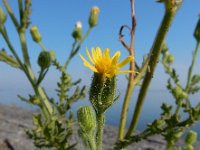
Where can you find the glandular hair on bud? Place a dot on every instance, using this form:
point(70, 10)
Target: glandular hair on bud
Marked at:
point(35, 34)
point(2, 16)
point(86, 119)
point(197, 31)
point(102, 92)
point(77, 33)
point(93, 19)
point(44, 60)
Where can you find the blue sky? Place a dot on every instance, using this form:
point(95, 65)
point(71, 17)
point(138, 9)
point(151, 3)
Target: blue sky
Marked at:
point(56, 19)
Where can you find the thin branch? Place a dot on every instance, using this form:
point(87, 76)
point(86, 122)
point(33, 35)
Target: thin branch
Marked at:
point(130, 85)
point(121, 36)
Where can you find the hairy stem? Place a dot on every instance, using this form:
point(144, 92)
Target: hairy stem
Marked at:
point(100, 127)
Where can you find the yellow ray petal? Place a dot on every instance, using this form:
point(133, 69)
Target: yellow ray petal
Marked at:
point(88, 54)
point(87, 64)
point(94, 55)
point(106, 53)
point(115, 58)
point(99, 52)
point(125, 61)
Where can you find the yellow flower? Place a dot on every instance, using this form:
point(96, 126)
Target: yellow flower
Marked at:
point(103, 64)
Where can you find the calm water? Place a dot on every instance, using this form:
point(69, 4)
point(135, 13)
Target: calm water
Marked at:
point(151, 109)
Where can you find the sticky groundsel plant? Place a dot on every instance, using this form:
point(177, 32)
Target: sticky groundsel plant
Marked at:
point(54, 122)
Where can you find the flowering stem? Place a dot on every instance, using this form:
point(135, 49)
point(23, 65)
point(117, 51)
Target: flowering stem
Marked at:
point(192, 66)
point(28, 72)
point(74, 49)
point(100, 126)
point(155, 52)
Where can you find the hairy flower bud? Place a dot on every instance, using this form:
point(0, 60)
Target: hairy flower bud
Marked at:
point(102, 92)
point(86, 119)
point(2, 16)
point(93, 19)
point(191, 138)
point(35, 34)
point(197, 31)
point(44, 60)
point(77, 33)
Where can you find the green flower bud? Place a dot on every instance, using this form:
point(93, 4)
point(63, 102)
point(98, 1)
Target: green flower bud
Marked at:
point(86, 119)
point(170, 59)
point(195, 79)
point(102, 92)
point(52, 55)
point(44, 60)
point(35, 34)
point(191, 138)
point(34, 100)
point(197, 31)
point(77, 33)
point(178, 93)
point(93, 19)
point(2, 16)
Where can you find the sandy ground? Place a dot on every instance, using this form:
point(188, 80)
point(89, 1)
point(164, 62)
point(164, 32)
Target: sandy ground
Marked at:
point(13, 122)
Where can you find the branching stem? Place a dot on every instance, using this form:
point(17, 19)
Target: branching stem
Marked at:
point(155, 52)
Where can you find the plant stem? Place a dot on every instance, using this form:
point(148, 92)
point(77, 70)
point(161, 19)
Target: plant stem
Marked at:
point(75, 50)
point(169, 146)
point(28, 72)
point(130, 85)
point(24, 48)
point(192, 66)
point(155, 52)
point(12, 16)
point(100, 127)
point(92, 143)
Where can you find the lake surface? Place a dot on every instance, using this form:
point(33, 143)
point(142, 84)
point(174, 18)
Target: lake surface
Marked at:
point(151, 109)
